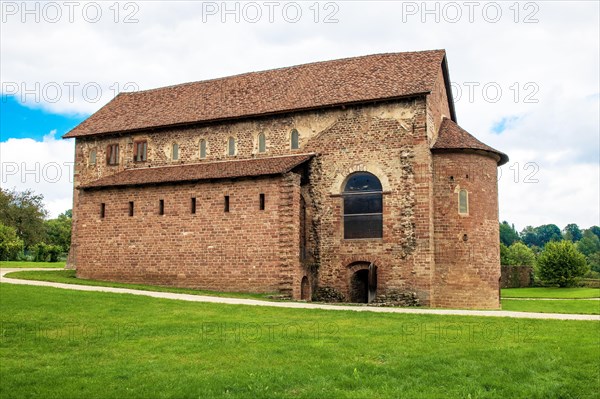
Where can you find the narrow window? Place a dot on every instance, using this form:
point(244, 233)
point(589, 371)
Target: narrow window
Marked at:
point(175, 152)
point(227, 203)
point(363, 207)
point(130, 208)
point(261, 202)
point(112, 154)
point(140, 150)
point(463, 202)
point(295, 139)
point(202, 149)
point(161, 207)
point(193, 205)
point(102, 210)
point(231, 146)
point(92, 159)
point(262, 143)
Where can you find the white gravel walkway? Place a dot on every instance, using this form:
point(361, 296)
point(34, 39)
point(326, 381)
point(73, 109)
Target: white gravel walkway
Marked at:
point(292, 305)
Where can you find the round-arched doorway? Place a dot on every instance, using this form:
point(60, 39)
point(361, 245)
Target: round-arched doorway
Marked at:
point(305, 289)
point(363, 284)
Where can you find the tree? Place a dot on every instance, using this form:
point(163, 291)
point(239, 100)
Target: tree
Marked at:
point(520, 254)
point(539, 236)
point(589, 243)
point(560, 263)
point(595, 230)
point(58, 231)
point(572, 232)
point(11, 246)
point(508, 234)
point(24, 211)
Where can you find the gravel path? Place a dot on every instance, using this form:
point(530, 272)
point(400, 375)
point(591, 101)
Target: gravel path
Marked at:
point(293, 305)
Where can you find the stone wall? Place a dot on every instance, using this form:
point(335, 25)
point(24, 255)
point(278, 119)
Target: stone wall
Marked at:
point(516, 276)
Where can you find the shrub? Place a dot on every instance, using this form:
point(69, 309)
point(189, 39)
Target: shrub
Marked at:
point(46, 253)
point(560, 263)
point(11, 246)
point(519, 254)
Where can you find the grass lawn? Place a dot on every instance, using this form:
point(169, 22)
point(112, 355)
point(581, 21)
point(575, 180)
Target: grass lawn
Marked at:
point(68, 277)
point(543, 292)
point(31, 264)
point(575, 306)
point(64, 344)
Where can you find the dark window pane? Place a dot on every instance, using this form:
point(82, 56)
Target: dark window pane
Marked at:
point(362, 182)
point(363, 226)
point(363, 203)
point(295, 139)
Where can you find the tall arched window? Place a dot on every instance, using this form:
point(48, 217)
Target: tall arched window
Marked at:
point(294, 139)
point(363, 206)
point(463, 202)
point(175, 152)
point(262, 143)
point(202, 149)
point(231, 146)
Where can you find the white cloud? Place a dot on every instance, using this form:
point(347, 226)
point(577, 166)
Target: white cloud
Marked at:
point(45, 166)
point(555, 61)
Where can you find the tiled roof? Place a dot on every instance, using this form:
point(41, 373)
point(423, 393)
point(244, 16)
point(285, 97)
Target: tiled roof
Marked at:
point(302, 87)
point(453, 137)
point(201, 171)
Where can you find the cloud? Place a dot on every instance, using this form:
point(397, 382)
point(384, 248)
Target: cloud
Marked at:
point(532, 74)
point(44, 166)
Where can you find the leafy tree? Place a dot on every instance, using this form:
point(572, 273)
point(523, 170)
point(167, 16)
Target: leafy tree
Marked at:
point(589, 243)
point(24, 211)
point(58, 231)
point(572, 232)
point(46, 253)
point(560, 263)
point(503, 255)
point(539, 236)
point(595, 230)
point(508, 234)
point(11, 246)
point(520, 254)
point(594, 261)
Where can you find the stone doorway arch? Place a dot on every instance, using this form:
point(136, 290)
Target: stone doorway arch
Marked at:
point(363, 283)
point(305, 293)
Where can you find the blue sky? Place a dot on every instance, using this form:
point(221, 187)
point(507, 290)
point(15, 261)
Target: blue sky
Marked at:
point(18, 121)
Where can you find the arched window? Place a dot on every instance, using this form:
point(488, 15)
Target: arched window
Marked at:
point(363, 206)
point(295, 139)
point(175, 152)
point(231, 146)
point(202, 149)
point(463, 202)
point(262, 143)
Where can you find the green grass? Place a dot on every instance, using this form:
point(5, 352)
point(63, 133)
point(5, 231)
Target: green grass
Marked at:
point(68, 277)
point(31, 264)
point(568, 293)
point(66, 344)
point(575, 306)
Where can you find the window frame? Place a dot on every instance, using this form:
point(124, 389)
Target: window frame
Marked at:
point(112, 154)
point(294, 139)
point(262, 143)
point(203, 148)
point(136, 149)
point(466, 202)
point(175, 152)
point(93, 152)
point(231, 147)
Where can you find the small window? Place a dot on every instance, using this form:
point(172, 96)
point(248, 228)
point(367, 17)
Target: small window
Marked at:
point(175, 152)
point(202, 149)
point(102, 210)
point(161, 207)
point(295, 139)
point(130, 208)
point(262, 143)
point(463, 202)
point(140, 150)
point(261, 202)
point(226, 203)
point(112, 154)
point(92, 158)
point(231, 146)
point(193, 206)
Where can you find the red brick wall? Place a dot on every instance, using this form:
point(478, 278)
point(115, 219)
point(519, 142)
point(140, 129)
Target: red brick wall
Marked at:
point(467, 272)
point(242, 250)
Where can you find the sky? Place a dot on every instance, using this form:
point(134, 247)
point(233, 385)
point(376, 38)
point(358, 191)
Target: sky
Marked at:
point(525, 77)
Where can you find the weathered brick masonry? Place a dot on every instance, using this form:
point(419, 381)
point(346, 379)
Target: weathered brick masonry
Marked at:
point(390, 117)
